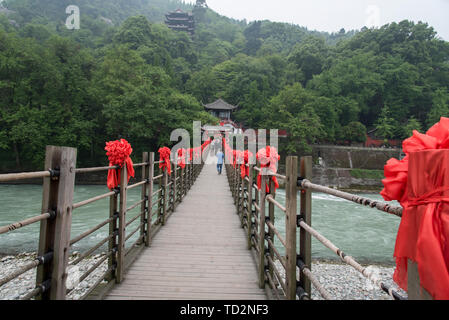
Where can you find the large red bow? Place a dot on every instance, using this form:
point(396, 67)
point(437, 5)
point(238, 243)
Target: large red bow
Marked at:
point(268, 158)
point(422, 188)
point(164, 157)
point(118, 153)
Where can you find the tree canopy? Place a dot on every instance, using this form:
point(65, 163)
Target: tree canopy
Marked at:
point(125, 74)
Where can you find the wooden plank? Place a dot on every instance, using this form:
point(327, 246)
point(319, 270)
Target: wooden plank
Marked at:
point(201, 252)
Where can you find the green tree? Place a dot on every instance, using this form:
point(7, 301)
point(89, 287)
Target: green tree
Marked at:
point(412, 124)
point(354, 132)
point(440, 107)
point(385, 124)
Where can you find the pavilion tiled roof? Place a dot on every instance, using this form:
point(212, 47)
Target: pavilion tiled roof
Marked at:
point(220, 105)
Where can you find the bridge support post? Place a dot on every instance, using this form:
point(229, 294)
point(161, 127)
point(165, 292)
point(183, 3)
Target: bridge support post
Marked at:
point(55, 233)
point(241, 197)
point(290, 226)
point(122, 225)
point(261, 243)
point(112, 245)
point(181, 193)
point(144, 197)
point(414, 289)
point(249, 221)
point(164, 197)
point(305, 239)
point(175, 185)
point(270, 252)
point(150, 199)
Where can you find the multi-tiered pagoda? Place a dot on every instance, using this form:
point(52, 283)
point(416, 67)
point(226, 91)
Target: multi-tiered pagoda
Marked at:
point(180, 21)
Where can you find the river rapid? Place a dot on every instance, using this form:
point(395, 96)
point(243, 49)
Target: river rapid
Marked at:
point(366, 234)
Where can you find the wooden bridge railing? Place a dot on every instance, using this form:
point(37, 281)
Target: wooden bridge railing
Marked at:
point(256, 210)
point(160, 195)
point(259, 224)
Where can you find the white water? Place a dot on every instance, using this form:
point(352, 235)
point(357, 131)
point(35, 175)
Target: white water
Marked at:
point(364, 233)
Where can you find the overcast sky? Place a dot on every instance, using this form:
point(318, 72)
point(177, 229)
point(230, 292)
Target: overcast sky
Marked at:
point(332, 15)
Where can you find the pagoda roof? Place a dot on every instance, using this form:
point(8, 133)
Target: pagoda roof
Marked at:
point(220, 105)
point(180, 12)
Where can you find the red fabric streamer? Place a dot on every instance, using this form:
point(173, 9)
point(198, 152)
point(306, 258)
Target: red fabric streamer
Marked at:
point(244, 170)
point(422, 188)
point(118, 153)
point(182, 158)
point(234, 158)
point(205, 144)
point(164, 156)
point(268, 158)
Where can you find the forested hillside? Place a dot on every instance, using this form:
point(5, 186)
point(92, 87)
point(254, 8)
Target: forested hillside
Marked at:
point(124, 74)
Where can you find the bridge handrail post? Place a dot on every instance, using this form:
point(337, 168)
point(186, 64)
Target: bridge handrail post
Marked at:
point(271, 231)
point(262, 222)
point(305, 239)
point(165, 197)
point(190, 175)
point(122, 225)
point(236, 186)
point(175, 185)
point(57, 197)
point(150, 199)
point(290, 226)
point(181, 195)
point(160, 203)
point(250, 206)
point(171, 194)
point(144, 196)
point(187, 177)
point(112, 244)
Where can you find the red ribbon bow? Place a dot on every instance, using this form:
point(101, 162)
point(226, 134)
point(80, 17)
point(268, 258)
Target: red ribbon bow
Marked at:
point(182, 158)
point(421, 186)
point(118, 153)
point(268, 158)
point(244, 170)
point(164, 157)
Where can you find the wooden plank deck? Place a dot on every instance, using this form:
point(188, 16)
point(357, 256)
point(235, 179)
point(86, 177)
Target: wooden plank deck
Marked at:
point(199, 254)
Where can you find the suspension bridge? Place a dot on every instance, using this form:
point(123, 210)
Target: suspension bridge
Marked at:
point(200, 235)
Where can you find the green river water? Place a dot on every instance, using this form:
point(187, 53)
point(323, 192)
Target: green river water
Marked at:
point(366, 234)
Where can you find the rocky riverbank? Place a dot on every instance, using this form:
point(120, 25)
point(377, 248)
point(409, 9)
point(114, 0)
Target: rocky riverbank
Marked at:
point(341, 281)
point(17, 288)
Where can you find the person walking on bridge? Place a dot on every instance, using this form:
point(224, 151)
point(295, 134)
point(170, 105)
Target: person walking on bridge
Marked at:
point(220, 158)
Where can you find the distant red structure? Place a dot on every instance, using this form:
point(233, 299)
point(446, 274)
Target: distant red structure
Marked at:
point(375, 143)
